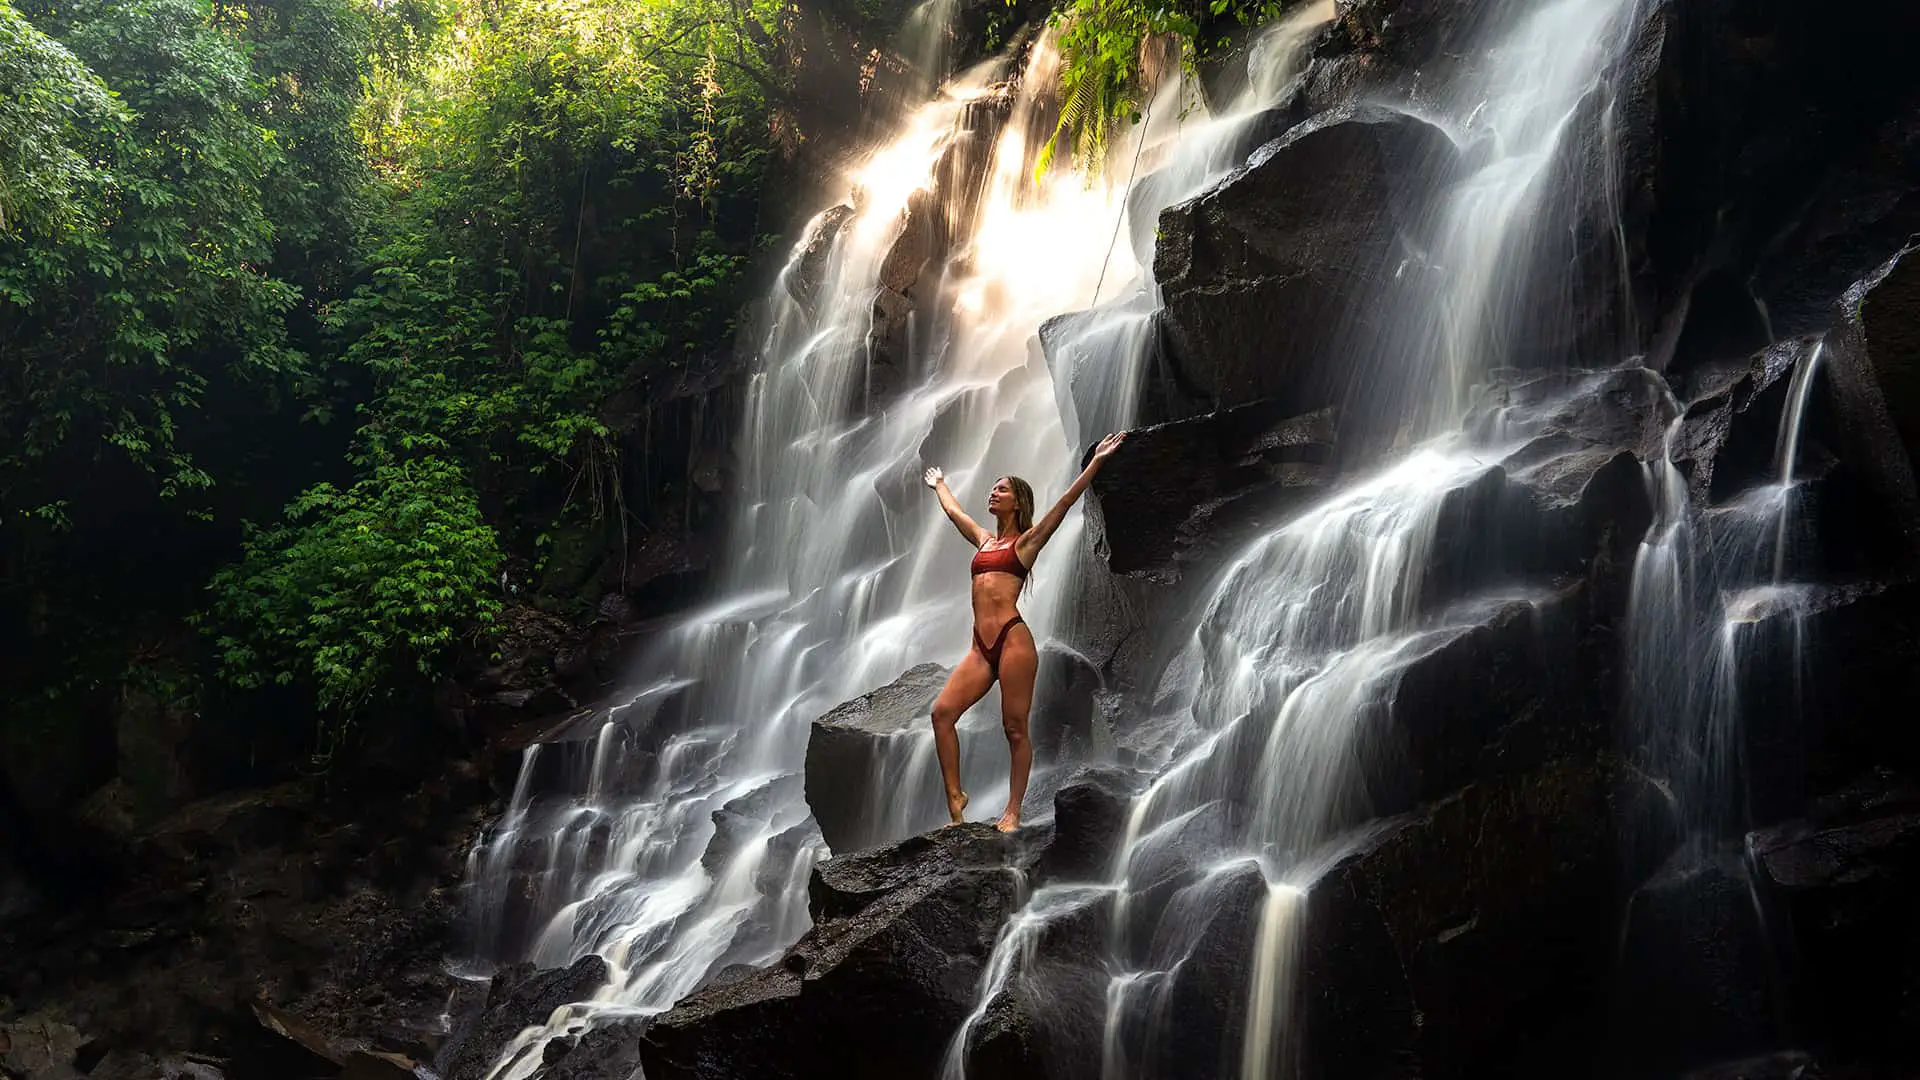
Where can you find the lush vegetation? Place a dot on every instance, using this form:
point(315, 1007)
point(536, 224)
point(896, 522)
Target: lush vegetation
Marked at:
point(321, 322)
point(330, 330)
point(1106, 56)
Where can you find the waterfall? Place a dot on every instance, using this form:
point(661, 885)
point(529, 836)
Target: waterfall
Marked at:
point(1267, 719)
point(670, 833)
point(1703, 578)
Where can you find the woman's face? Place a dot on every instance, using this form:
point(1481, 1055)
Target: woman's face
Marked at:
point(1000, 500)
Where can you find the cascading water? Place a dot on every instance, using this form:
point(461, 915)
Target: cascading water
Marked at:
point(1267, 721)
point(1703, 576)
point(1712, 604)
point(670, 834)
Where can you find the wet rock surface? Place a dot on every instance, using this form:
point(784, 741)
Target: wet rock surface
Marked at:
point(900, 939)
point(518, 997)
point(1698, 980)
point(1189, 491)
point(1263, 275)
point(1844, 880)
point(848, 745)
point(1874, 355)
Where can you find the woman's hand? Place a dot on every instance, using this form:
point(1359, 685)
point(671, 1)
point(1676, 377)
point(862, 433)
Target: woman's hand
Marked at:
point(1108, 445)
point(935, 478)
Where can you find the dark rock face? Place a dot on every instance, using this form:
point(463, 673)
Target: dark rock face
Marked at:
point(1696, 980)
point(848, 742)
point(900, 939)
point(1875, 358)
point(519, 997)
point(1844, 880)
point(1785, 1065)
point(1409, 31)
point(1727, 442)
point(286, 932)
point(1183, 492)
point(1089, 817)
point(1765, 151)
point(1490, 879)
point(803, 283)
point(1263, 274)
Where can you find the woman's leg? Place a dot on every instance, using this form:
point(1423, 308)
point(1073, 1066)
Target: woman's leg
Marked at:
point(1019, 662)
point(969, 683)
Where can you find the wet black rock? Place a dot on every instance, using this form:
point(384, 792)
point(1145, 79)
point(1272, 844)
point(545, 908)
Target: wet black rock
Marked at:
point(1827, 681)
point(1265, 273)
point(900, 939)
point(1767, 151)
point(1727, 443)
point(1474, 694)
point(848, 744)
point(1089, 820)
point(1065, 712)
point(1570, 500)
point(803, 282)
point(518, 998)
point(1409, 31)
point(608, 1052)
point(1211, 989)
point(1189, 491)
point(1874, 351)
point(1512, 875)
point(1697, 980)
point(1047, 1021)
point(1844, 881)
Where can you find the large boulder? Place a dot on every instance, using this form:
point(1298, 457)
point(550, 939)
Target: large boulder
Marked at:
point(1185, 492)
point(1569, 499)
point(877, 988)
point(804, 278)
point(1263, 275)
point(849, 745)
point(1047, 1019)
point(1089, 818)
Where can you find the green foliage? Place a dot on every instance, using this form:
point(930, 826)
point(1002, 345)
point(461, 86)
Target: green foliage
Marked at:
point(361, 586)
point(569, 216)
point(150, 284)
point(351, 270)
point(575, 219)
point(1103, 46)
point(55, 111)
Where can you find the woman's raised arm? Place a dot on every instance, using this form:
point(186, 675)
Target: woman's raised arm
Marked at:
point(1036, 538)
point(968, 527)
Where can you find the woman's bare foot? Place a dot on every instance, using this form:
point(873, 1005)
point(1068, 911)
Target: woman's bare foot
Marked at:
point(956, 807)
point(1009, 821)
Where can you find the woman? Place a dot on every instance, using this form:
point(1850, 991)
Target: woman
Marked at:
point(1003, 647)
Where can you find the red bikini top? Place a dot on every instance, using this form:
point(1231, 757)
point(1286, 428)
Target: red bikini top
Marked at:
point(1000, 560)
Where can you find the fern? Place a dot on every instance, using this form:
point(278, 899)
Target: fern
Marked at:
point(1102, 84)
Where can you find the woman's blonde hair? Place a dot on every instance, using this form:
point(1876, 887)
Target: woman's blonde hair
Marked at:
point(1022, 502)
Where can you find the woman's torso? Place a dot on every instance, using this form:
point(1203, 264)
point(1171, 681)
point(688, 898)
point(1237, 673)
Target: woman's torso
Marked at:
point(996, 593)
